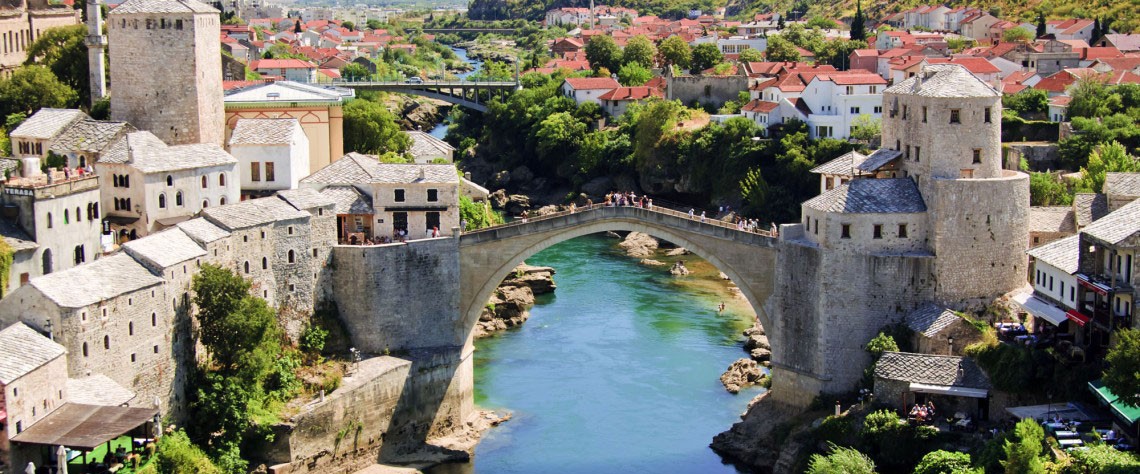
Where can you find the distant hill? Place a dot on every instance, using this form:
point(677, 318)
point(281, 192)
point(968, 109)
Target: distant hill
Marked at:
point(1124, 13)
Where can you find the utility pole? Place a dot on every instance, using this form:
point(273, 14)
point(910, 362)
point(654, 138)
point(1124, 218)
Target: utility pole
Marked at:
point(96, 44)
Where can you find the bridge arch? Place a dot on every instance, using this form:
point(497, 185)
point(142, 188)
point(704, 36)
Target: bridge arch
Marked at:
point(487, 257)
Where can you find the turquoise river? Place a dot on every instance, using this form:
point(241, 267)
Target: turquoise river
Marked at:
point(616, 372)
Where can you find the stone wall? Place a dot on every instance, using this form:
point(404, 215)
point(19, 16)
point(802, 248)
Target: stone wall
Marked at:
point(1039, 156)
point(399, 296)
point(979, 233)
point(715, 90)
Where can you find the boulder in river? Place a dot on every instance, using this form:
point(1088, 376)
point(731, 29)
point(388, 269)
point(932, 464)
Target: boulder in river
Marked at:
point(741, 374)
point(499, 199)
point(652, 263)
point(510, 305)
point(639, 245)
point(677, 252)
point(517, 203)
point(539, 279)
point(679, 269)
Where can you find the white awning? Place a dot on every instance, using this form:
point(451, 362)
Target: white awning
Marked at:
point(949, 390)
point(1040, 308)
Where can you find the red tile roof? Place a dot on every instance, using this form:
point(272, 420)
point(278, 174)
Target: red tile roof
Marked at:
point(974, 65)
point(281, 64)
point(592, 83)
point(760, 106)
point(1120, 64)
point(853, 77)
point(1106, 52)
point(632, 93)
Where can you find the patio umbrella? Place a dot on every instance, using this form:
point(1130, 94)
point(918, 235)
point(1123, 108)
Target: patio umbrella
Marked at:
point(61, 459)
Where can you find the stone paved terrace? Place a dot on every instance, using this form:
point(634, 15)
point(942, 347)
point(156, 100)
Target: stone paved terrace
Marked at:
point(39, 186)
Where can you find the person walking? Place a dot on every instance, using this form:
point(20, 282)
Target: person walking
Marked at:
point(690, 213)
point(703, 216)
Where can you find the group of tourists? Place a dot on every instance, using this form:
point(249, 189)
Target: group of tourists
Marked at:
point(628, 199)
point(68, 173)
point(922, 413)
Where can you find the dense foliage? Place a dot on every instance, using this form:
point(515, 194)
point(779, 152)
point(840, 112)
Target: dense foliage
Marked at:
point(1123, 373)
point(841, 461)
point(946, 462)
point(369, 127)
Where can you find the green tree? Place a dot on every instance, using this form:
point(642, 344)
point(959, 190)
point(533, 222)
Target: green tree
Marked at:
point(751, 55)
point(639, 50)
point(1017, 35)
point(866, 128)
point(603, 52)
point(880, 344)
point(63, 51)
point(1092, 99)
point(754, 189)
point(232, 324)
point(478, 215)
point(858, 26)
point(1027, 102)
point(1046, 189)
point(354, 72)
point(559, 136)
point(945, 462)
point(894, 442)
point(374, 24)
point(781, 50)
point(1123, 373)
point(705, 56)
point(1101, 459)
point(676, 52)
point(1040, 24)
point(1108, 158)
point(370, 128)
point(1023, 452)
point(822, 22)
point(30, 88)
point(177, 454)
point(634, 74)
point(841, 461)
point(349, 25)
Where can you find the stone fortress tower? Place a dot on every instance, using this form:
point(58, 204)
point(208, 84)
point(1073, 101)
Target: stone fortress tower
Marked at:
point(930, 218)
point(166, 71)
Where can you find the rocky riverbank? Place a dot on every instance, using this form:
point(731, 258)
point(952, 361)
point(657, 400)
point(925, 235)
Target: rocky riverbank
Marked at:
point(767, 437)
point(417, 113)
point(510, 305)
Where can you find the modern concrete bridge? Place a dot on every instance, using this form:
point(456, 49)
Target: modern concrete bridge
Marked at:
point(458, 92)
point(488, 255)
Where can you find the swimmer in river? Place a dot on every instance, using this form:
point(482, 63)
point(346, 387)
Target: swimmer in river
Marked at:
point(720, 308)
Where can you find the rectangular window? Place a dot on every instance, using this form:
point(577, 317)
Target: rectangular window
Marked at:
point(905, 112)
point(977, 156)
point(874, 89)
point(255, 171)
point(955, 116)
point(854, 110)
point(1050, 283)
point(399, 221)
point(878, 108)
point(399, 195)
point(1072, 293)
point(816, 225)
point(917, 153)
point(987, 116)
point(878, 234)
point(433, 195)
point(807, 223)
point(908, 152)
point(845, 231)
point(269, 175)
point(902, 231)
point(850, 90)
point(924, 114)
point(432, 221)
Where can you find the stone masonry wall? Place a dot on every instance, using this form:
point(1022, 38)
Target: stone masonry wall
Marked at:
point(293, 279)
point(399, 296)
point(706, 89)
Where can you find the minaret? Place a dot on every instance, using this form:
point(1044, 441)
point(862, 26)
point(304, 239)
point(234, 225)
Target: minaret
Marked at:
point(592, 14)
point(96, 44)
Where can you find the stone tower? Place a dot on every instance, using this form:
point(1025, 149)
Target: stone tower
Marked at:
point(947, 124)
point(96, 45)
point(166, 69)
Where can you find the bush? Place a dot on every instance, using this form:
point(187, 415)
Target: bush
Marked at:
point(836, 430)
point(945, 462)
point(892, 441)
point(176, 454)
point(841, 461)
point(1102, 459)
point(313, 339)
point(1023, 451)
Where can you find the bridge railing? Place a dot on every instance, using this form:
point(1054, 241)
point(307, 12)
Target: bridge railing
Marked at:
point(666, 208)
point(432, 83)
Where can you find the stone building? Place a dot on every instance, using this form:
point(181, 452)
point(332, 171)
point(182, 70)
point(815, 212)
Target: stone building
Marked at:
point(426, 148)
point(407, 197)
point(953, 384)
point(319, 109)
point(938, 330)
point(1107, 273)
point(930, 219)
point(1121, 189)
point(149, 186)
point(166, 73)
point(33, 382)
point(22, 22)
point(272, 154)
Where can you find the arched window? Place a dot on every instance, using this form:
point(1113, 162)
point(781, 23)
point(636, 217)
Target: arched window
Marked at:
point(49, 220)
point(89, 211)
point(291, 257)
point(169, 180)
point(222, 201)
point(162, 201)
point(131, 328)
point(78, 216)
point(154, 319)
point(264, 263)
point(107, 342)
point(205, 203)
point(205, 183)
point(115, 180)
point(47, 261)
point(247, 267)
point(80, 255)
point(222, 179)
point(84, 349)
point(178, 199)
point(66, 217)
point(96, 207)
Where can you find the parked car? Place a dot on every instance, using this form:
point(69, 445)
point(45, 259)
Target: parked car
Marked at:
point(414, 80)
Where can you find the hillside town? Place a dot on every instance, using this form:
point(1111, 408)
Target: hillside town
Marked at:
point(931, 216)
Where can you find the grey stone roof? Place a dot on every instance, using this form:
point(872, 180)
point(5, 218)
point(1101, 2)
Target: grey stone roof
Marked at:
point(355, 168)
point(148, 154)
point(288, 91)
point(15, 237)
point(871, 196)
point(930, 319)
point(1117, 225)
point(23, 350)
point(202, 230)
point(944, 80)
point(1122, 184)
point(97, 389)
point(878, 159)
point(165, 249)
point(931, 369)
point(349, 200)
point(162, 6)
point(91, 136)
point(1064, 254)
point(47, 123)
point(1088, 207)
point(844, 165)
point(1052, 219)
point(9, 164)
point(305, 198)
point(93, 282)
point(264, 131)
point(253, 212)
point(425, 146)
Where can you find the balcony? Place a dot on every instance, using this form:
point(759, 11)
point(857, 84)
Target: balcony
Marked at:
point(1103, 285)
point(40, 187)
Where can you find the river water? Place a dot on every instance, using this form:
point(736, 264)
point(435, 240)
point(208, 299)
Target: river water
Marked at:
point(616, 372)
point(440, 130)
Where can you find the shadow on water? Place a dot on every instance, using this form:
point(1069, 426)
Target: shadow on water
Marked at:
point(617, 373)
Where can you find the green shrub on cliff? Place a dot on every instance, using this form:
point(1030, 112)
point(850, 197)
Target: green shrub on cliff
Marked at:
point(946, 462)
point(841, 461)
